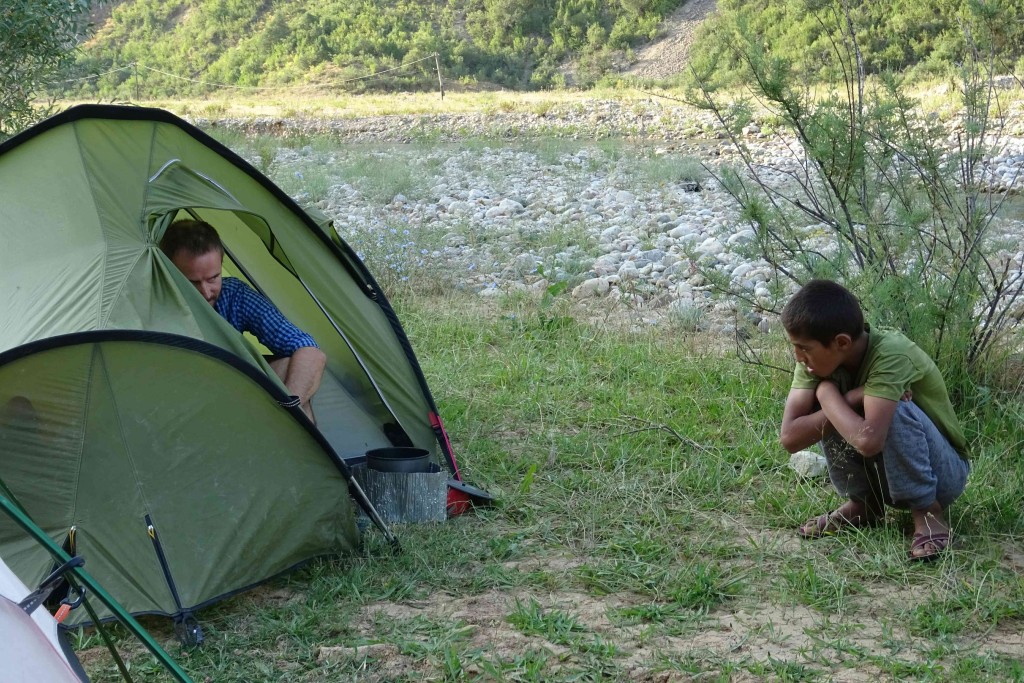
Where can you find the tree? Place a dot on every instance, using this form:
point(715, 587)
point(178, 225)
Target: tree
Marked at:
point(894, 202)
point(37, 41)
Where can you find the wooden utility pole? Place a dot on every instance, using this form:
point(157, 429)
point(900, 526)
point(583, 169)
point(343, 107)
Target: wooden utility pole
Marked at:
point(440, 83)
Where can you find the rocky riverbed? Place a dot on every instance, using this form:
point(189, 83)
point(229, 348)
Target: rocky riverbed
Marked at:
point(617, 200)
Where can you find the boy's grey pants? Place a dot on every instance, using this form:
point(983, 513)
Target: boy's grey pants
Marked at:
point(917, 465)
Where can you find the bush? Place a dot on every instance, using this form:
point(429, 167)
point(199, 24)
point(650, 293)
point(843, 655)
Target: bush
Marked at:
point(35, 40)
point(882, 197)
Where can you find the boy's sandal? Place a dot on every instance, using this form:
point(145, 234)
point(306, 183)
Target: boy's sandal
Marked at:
point(938, 540)
point(833, 522)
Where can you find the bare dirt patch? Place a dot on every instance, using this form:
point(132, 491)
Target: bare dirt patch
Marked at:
point(745, 632)
point(668, 54)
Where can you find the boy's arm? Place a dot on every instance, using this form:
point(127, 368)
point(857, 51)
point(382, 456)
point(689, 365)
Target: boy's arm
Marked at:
point(866, 434)
point(802, 423)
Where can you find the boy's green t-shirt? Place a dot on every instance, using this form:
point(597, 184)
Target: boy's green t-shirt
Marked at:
point(892, 364)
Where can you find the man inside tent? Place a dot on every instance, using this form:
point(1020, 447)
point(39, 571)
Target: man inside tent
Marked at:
point(196, 249)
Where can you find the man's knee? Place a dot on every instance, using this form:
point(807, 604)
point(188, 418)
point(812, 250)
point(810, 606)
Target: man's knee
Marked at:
point(279, 364)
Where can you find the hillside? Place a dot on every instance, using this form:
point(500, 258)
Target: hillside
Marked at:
point(167, 48)
point(667, 55)
point(180, 47)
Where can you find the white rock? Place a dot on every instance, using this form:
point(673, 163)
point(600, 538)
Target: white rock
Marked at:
point(595, 286)
point(511, 206)
point(710, 246)
point(741, 270)
point(808, 464)
point(628, 271)
point(680, 231)
point(741, 237)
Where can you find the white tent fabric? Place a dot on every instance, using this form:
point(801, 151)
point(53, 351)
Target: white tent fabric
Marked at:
point(29, 650)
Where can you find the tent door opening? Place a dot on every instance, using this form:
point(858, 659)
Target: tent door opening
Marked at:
point(351, 409)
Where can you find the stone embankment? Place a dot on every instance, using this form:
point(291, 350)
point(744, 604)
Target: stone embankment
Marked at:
point(638, 222)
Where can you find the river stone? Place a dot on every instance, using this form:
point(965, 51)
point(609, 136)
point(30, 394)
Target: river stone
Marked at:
point(808, 464)
point(594, 287)
point(628, 271)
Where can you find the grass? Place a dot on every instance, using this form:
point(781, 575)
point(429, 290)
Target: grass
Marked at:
point(646, 516)
point(645, 525)
point(309, 104)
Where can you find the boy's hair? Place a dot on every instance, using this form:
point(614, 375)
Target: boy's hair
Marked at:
point(195, 238)
point(821, 310)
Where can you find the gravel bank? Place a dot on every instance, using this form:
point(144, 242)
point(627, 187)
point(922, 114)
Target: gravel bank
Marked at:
point(607, 197)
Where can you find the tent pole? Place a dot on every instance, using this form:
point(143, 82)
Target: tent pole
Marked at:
point(86, 579)
point(364, 501)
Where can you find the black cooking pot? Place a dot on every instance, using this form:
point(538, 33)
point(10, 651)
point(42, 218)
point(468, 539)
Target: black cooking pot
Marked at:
point(398, 460)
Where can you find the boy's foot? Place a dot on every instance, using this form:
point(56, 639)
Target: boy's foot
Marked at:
point(928, 547)
point(850, 515)
point(931, 534)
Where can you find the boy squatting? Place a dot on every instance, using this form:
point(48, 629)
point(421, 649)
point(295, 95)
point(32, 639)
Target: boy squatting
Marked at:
point(879, 407)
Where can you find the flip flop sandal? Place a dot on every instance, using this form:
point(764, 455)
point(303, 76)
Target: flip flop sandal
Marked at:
point(939, 541)
point(832, 523)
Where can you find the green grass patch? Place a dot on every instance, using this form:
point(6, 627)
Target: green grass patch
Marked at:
point(645, 527)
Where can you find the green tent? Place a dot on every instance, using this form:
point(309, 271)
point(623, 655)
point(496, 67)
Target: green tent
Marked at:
point(33, 649)
point(137, 427)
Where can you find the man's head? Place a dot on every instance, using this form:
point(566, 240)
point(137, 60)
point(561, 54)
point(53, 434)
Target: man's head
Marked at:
point(195, 248)
point(824, 322)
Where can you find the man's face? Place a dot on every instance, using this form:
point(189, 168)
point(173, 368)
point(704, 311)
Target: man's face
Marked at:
point(202, 271)
point(820, 360)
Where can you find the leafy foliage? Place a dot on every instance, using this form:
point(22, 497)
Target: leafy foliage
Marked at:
point(881, 196)
point(927, 36)
point(360, 43)
point(181, 47)
point(37, 38)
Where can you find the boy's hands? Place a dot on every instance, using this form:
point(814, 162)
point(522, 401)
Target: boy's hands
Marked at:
point(865, 430)
point(811, 414)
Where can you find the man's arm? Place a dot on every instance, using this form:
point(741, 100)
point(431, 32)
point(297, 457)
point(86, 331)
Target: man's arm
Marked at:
point(865, 433)
point(802, 424)
point(300, 363)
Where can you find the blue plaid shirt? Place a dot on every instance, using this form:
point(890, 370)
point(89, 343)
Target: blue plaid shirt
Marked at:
point(249, 311)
